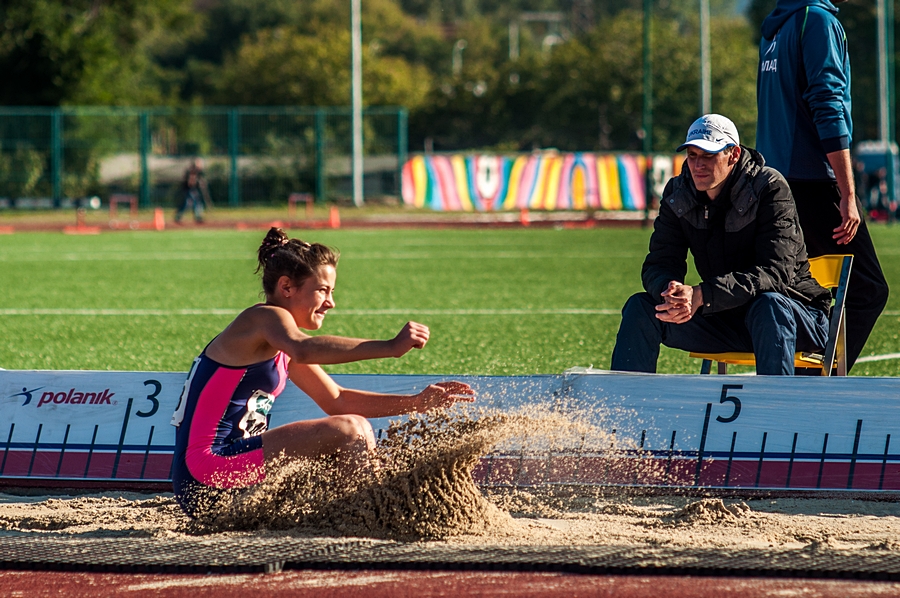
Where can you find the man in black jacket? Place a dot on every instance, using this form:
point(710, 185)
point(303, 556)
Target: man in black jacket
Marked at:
point(739, 221)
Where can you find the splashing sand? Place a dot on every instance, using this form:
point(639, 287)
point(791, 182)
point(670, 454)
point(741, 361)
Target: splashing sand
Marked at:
point(421, 488)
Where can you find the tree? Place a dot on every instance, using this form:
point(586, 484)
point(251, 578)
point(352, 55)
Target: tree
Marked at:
point(283, 67)
point(55, 52)
point(587, 93)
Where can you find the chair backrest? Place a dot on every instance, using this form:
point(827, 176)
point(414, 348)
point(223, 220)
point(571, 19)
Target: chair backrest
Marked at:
point(833, 272)
point(826, 269)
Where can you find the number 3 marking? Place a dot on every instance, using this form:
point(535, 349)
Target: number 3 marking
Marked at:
point(726, 399)
point(152, 398)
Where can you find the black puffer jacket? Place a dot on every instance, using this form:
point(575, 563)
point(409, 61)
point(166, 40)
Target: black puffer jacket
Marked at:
point(745, 242)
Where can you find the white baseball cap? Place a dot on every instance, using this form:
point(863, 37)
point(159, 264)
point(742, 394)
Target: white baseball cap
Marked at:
point(712, 133)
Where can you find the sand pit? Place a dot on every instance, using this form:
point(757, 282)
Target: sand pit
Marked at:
point(672, 521)
point(422, 489)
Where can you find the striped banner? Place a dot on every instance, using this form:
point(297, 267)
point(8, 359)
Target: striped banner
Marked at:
point(539, 181)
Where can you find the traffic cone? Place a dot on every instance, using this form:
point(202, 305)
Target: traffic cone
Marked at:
point(159, 219)
point(523, 217)
point(334, 218)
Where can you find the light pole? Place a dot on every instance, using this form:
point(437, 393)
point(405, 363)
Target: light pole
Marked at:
point(356, 100)
point(886, 104)
point(705, 70)
point(647, 112)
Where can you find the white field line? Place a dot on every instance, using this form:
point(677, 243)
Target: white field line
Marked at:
point(573, 311)
point(336, 312)
point(413, 255)
point(884, 357)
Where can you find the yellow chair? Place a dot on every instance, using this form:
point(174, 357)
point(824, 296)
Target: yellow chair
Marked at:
point(832, 272)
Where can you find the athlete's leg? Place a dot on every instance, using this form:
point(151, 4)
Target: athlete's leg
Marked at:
point(350, 436)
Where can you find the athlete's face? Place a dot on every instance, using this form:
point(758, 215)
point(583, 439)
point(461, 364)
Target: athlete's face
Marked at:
point(710, 171)
point(310, 301)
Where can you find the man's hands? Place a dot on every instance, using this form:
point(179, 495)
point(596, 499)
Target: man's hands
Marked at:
point(680, 303)
point(842, 165)
point(412, 336)
point(849, 220)
point(444, 394)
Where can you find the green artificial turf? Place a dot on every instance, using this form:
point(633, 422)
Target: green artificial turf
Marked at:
point(498, 301)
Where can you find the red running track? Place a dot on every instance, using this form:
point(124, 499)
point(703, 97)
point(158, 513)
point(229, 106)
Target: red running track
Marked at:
point(424, 584)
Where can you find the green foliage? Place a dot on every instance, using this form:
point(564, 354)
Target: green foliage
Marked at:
point(22, 172)
point(284, 67)
point(583, 91)
point(84, 51)
point(587, 93)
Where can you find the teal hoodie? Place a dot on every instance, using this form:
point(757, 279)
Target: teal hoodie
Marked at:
point(803, 89)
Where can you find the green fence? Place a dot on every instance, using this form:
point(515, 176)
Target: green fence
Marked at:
point(253, 155)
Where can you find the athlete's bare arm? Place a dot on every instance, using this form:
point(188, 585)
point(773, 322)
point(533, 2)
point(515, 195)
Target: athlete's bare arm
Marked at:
point(259, 332)
point(336, 400)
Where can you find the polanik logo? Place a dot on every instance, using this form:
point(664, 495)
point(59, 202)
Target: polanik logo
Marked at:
point(70, 397)
point(25, 393)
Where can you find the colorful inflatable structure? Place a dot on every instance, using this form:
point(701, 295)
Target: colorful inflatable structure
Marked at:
point(539, 181)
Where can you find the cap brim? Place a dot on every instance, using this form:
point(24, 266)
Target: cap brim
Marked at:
point(709, 147)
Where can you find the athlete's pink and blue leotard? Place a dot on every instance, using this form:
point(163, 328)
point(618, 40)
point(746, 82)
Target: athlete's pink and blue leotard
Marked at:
point(222, 413)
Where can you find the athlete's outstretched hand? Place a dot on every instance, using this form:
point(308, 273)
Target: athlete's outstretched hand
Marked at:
point(412, 336)
point(444, 394)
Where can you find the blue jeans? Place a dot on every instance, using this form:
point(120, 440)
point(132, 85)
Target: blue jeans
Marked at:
point(773, 327)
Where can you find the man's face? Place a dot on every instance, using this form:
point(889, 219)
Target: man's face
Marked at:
point(709, 171)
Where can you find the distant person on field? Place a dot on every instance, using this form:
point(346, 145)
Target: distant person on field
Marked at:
point(737, 219)
point(223, 442)
point(194, 192)
point(804, 131)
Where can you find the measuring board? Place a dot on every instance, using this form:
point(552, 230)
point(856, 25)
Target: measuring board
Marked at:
point(111, 429)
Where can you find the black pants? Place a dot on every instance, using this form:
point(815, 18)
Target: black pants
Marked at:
point(818, 205)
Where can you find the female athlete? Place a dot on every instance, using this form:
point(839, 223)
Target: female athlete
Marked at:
point(223, 442)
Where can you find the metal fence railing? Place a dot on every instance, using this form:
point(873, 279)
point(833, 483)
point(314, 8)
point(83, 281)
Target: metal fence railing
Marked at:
point(252, 155)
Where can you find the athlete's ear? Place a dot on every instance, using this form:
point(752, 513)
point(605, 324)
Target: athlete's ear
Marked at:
point(284, 286)
point(735, 155)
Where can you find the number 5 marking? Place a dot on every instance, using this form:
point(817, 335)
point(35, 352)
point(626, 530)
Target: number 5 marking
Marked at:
point(726, 399)
point(152, 398)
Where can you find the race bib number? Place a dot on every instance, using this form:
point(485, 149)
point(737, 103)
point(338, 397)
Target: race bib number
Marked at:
point(256, 420)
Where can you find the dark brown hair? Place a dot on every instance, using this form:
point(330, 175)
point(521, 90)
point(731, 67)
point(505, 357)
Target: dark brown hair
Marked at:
point(280, 256)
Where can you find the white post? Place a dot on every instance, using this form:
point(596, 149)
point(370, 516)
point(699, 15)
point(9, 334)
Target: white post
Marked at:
point(705, 69)
point(356, 94)
point(457, 58)
point(883, 100)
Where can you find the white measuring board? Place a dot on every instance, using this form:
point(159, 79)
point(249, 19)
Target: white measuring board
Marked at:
point(111, 429)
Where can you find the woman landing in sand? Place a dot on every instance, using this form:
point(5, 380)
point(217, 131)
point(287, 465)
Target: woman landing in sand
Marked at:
point(223, 442)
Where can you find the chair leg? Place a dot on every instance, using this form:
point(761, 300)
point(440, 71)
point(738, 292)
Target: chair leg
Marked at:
point(841, 349)
point(723, 368)
point(705, 366)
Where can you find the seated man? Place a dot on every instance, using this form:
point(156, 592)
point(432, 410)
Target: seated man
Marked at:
point(738, 219)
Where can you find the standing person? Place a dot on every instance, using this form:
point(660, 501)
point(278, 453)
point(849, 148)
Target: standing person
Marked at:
point(223, 441)
point(804, 131)
point(736, 217)
point(194, 192)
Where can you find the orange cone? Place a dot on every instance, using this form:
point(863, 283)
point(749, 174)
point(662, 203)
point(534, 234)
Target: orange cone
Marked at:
point(334, 218)
point(523, 217)
point(159, 219)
